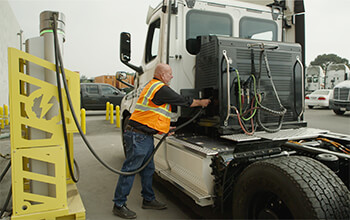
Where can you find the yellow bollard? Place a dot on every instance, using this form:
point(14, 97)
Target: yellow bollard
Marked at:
point(111, 111)
point(117, 116)
point(83, 120)
point(107, 111)
point(6, 109)
point(2, 124)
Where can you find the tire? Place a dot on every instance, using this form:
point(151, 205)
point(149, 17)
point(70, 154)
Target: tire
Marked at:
point(290, 187)
point(310, 106)
point(124, 124)
point(338, 112)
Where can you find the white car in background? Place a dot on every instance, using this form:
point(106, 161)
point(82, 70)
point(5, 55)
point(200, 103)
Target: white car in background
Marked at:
point(319, 98)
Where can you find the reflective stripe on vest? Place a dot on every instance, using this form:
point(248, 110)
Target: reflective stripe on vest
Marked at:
point(144, 104)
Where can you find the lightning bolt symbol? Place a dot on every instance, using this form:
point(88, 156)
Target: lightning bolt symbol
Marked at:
point(45, 105)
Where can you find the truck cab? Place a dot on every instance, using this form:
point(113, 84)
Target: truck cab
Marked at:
point(243, 155)
point(335, 74)
point(314, 78)
point(172, 38)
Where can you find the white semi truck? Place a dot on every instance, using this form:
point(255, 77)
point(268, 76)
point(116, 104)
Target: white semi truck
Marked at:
point(314, 78)
point(250, 153)
point(335, 74)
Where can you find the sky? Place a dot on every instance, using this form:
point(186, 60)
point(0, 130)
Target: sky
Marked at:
point(93, 28)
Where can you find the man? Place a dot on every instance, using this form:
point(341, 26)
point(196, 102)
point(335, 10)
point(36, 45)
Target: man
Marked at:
point(151, 116)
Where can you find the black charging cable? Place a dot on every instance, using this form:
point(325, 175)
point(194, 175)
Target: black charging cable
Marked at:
point(9, 195)
point(58, 53)
point(5, 170)
point(58, 78)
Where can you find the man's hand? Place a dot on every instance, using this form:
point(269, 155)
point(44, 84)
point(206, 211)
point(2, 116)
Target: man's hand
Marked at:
point(204, 102)
point(171, 129)
point(200, 102)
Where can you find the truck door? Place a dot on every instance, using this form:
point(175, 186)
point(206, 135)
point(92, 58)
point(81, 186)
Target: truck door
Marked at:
point(153, 48)
point(111, 95)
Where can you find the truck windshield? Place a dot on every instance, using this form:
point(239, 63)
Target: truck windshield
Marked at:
point(199, 23)
point(255, 28)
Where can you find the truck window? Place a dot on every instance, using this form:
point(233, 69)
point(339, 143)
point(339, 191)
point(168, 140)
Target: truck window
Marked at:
point(199, 23)
point(259, 29)
point(92, 89)
point(309, 79)
point(107, 90)
point(152, 41)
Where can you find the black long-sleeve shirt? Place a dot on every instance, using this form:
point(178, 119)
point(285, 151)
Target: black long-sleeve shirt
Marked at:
point(165, 95)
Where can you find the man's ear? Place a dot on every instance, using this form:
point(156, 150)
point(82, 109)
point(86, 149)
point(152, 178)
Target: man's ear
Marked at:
point(161, 77)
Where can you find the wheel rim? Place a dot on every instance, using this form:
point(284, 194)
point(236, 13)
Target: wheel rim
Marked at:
point(267, 205)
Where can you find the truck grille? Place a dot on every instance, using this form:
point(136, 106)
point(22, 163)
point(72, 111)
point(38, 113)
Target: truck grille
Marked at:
point(341, 94)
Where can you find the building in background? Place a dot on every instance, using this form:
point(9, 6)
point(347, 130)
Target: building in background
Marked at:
point(10, 36)
point(109, 79)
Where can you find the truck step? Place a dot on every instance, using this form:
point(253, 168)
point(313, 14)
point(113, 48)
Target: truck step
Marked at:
point(288, 134)
point(194, 147)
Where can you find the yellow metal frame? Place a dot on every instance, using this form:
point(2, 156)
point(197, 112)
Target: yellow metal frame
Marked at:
point(64, 202)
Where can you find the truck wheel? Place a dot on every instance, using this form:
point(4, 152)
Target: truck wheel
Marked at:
point(124, 124)
point(338, 112)
point(290, 188)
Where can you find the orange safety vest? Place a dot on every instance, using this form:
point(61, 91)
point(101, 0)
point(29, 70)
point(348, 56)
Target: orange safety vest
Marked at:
point(150, 114)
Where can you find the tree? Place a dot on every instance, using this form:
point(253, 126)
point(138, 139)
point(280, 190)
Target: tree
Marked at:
point(84, 79)
point(326, 59)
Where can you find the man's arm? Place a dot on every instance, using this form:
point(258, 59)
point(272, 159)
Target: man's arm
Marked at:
point(167, 95)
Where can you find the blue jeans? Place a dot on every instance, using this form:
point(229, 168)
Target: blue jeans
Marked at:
point(139, 148)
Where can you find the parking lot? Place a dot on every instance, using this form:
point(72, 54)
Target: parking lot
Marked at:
point(325, 118)
point(97, 184)
point(106, 139)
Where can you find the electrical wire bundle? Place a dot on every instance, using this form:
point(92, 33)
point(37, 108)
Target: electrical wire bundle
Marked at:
point(337, 145)
point(247, 108)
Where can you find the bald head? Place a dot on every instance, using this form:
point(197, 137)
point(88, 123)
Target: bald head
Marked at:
point(163, 72)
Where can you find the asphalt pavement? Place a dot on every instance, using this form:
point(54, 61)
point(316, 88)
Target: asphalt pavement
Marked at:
point(97, 184)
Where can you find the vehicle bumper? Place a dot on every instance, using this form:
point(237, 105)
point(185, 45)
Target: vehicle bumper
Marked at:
point(339, 105)
point(317, 103)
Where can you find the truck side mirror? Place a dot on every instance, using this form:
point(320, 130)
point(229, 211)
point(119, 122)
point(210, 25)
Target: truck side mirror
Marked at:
point(121, 75)
point(125, 52)
point(125, 47)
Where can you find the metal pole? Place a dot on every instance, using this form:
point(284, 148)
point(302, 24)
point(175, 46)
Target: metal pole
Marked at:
point(20, 34)
point(44, 47)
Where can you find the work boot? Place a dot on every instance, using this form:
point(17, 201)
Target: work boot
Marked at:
point(123, 212)
point(154, 204)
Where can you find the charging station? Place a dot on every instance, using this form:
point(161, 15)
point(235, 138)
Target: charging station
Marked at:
point(42, 186)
